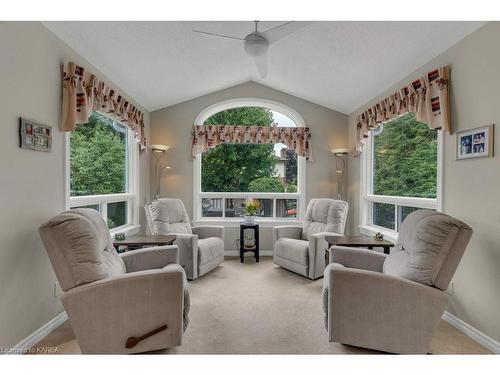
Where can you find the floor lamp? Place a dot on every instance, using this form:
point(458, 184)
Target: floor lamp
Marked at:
point(340, 164)
point(159, 153)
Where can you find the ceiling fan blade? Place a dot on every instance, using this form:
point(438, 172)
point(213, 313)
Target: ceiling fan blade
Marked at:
point(218, 35)
point(261, 63)
point(279, 32)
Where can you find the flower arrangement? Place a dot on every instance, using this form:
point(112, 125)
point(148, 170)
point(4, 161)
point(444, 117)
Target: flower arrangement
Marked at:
point(251, 207)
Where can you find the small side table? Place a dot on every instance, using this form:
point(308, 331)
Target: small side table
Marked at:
point(357, 241)
point(254, 249)
point(142, 241)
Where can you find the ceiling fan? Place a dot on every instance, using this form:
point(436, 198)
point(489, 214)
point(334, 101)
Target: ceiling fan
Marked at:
point(257, 42)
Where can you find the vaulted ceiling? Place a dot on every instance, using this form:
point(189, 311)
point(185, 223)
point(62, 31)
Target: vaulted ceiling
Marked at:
point(340, 65)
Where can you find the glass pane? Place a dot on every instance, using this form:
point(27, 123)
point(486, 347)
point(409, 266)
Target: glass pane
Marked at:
point(92, 206)
point(211, 207)
point(235, 207)
point(404, 211)
point(383, 215)
point(249, 167)
point(98, 157)
point(265, 207)
point(117, 214)
point(405, 159)
point(286, 208)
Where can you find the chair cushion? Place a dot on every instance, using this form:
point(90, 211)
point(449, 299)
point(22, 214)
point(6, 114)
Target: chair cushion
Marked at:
point(80, 248)
point(293, 250)
point(427, 242)
point(209, 249)
point(169, 216)
point(324, 215)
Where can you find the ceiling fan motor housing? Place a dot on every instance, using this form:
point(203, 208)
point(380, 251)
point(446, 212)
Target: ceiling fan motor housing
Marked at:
point(256, 44)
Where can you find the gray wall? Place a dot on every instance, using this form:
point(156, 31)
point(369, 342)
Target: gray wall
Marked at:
point(32, 183)
point(172, 126)
point(470, 187)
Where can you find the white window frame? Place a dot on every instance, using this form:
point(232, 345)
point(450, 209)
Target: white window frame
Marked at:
point(301, 169)
point(131, 196)
point(366, 225)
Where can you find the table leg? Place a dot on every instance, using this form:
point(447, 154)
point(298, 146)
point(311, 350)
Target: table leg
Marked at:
point(256, 237)
point(241, 244)
point(387, 250)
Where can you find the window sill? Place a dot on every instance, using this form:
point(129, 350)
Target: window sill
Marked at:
point(371, 230)
point(129, 230)
point(235, 223)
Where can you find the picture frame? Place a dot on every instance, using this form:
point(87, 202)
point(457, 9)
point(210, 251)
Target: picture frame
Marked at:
point(475, 143)
point(34, 135)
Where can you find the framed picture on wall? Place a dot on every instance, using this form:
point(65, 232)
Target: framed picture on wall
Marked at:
point(35, 136)
point(475, 143)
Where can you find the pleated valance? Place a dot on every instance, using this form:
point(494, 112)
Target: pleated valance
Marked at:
point(427, 97)
point(206, 137)
point(83, 93)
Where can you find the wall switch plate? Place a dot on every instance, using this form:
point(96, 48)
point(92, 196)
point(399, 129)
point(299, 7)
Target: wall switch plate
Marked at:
point(57, 289)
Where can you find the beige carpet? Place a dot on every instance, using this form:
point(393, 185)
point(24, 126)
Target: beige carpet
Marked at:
point(259, 308)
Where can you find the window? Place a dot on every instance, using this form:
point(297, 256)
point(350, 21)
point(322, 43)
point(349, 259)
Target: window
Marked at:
point(400, 172)
point(231, 174)
point(102, 170)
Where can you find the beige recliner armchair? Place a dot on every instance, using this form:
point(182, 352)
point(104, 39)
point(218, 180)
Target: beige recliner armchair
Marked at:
point(301, 249)
point(129, 303)
point(201, 249)
point(394, 303)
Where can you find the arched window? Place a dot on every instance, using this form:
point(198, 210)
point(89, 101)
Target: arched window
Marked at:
point(229, 175)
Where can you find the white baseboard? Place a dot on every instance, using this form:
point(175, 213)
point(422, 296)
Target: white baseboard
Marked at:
point(234, 253)
point(30, 341)
point(472, 332)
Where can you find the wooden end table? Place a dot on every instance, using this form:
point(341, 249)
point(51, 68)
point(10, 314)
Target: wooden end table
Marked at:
point(357, 241)
point(145, 241)
point(254, 249)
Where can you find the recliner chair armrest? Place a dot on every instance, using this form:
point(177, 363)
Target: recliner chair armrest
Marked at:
point(287, 231)
point(188, 253)
point(105, 313)
point(317, 248)
point(205, 231)
point(150, 258)
point(358, 258)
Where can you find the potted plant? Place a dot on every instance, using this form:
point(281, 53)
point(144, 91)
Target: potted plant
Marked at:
point(251, 208)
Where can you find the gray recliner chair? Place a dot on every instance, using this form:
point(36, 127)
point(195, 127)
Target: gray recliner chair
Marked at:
point(129, 303)
point(301, 249)
point(201, 249)
point(394, 303)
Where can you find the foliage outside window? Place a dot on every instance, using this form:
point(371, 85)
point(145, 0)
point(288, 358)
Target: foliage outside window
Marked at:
point(247, 169)
point(403, 164)
point(99, 169)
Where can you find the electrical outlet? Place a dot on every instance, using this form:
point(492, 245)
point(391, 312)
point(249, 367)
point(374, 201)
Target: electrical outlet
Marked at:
point(57, 289)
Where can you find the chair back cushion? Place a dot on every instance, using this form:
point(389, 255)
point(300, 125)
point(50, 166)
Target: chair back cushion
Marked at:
point(80, 248)
point(166, 216)
point(429, 248)
point(325, 215)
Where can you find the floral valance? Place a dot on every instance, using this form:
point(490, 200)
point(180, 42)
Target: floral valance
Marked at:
point(83, 93)
point(206, 137)
point(427, 97)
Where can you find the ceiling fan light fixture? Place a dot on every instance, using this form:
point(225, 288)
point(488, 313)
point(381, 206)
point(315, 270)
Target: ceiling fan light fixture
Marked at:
point(256, 45)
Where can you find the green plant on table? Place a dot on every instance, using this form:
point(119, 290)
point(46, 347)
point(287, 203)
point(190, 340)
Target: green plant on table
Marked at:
point(251, 207)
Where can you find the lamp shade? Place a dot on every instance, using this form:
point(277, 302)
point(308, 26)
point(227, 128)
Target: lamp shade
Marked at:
point(159, 148)
point(339, 151)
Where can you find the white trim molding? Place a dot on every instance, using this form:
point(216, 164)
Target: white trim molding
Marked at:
point(473, 333)
point(27, 343)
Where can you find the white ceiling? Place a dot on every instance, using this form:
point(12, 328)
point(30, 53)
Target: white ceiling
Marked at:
point(340, 65)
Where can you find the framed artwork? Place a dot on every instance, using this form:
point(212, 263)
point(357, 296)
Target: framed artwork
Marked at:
point(35, 136)
point(475, 143)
